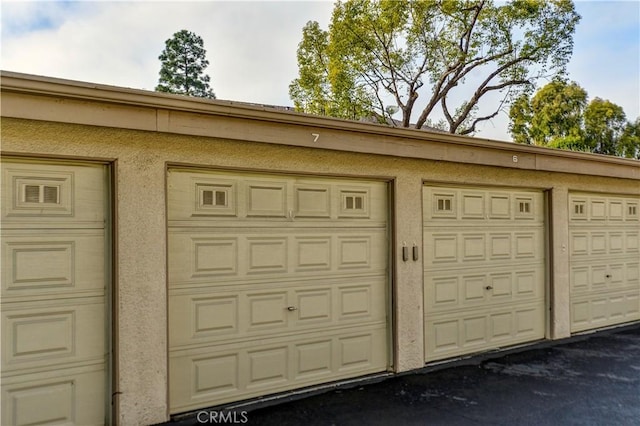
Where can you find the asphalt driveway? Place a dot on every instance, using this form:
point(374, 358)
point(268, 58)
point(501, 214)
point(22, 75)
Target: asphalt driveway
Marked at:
point(588, 380)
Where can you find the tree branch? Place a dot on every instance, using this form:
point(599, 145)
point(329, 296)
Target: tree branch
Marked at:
point(458, 76)
point(472, 128)
point(447, 115)
point(395, 92)
point(465, 40)
point(484, 88)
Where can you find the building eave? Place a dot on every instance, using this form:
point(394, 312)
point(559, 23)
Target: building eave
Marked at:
point(167, 113)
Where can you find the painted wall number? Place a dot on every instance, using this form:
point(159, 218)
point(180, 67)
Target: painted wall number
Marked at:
point(315, 136)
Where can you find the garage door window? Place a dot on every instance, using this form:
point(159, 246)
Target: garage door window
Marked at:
point(215, 199)
point(41, 194)
point(355, 203)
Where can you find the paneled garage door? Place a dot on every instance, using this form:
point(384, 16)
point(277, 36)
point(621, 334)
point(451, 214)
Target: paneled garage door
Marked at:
point(54, 305)
point(484, 277)
point(275, 283)
point(605, 279)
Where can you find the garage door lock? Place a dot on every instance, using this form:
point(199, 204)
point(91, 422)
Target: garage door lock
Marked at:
point(291, 308)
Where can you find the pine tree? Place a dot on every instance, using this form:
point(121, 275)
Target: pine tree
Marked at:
point(183, 64)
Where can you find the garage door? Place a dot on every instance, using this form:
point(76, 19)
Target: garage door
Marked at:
point(484, 276)
point(275, 283)
point(604, 256)
point(54, 336)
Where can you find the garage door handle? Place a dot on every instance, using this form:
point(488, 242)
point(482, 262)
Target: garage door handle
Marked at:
point(291, 308)
point(608, 276)
point(489, 287)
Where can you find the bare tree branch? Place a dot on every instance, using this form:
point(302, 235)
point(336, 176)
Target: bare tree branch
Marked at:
point(472, 128)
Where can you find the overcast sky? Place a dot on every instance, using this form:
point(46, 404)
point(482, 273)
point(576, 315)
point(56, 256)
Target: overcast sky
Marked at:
point(251, 45)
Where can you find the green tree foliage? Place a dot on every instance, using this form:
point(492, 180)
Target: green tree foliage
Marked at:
point(183, 64)
point(555, 111)
point(377, 52)
point(313, 92)
point(559, 116)
point(314, 95)
point(629, 144)
point(604, 123)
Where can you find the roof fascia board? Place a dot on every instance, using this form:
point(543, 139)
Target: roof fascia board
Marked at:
point(166, 105)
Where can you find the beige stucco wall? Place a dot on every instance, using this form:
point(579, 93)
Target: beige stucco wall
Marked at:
point(140, 160)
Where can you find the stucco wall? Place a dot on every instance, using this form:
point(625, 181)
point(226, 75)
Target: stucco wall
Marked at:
point(140, 160)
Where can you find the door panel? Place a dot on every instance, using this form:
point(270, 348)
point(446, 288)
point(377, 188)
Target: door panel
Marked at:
point(54, 299)
point(604, 260)
point(275, 283)
point(484, 269)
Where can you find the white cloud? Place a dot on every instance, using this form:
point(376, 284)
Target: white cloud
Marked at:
point(101, 42)
point(251, 46)
point(23, 16)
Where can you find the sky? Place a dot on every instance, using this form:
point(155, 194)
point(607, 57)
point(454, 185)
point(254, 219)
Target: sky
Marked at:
point(251, 45)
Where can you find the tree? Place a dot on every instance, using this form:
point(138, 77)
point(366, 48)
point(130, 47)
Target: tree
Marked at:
point(312, 92)
point(556, 111)
point(604, 123)
point(629, 145)
point(325, 85)
point(183, 64)
point(377, 53)
point(559, 116)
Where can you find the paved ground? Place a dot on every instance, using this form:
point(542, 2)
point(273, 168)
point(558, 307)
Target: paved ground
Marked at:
point(589, 380)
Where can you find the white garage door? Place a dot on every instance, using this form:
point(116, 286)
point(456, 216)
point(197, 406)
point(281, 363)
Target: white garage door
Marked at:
point(604, 257)
point(54, 336)
point(484, 277)
point(275, 283)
